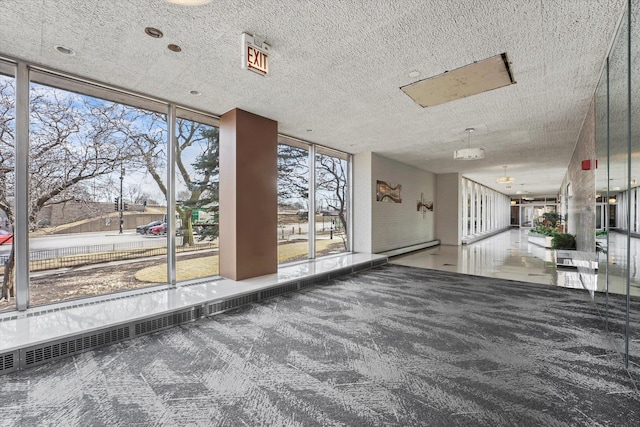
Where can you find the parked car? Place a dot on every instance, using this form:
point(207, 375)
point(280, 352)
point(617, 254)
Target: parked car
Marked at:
point(158, 229)
point(144, 229)
point(6, 237)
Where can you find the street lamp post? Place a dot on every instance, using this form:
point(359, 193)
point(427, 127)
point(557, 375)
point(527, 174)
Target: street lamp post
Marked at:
point(121, 204)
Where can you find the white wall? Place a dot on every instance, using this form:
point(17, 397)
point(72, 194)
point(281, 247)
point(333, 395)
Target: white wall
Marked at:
point(447, 209)
point(390, 225)
point(363, 190)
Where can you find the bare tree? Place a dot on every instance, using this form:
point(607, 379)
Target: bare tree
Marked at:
point(136, 193)
point(331, 181)
point(331, 187)
point(197, 152)
point(73, 139)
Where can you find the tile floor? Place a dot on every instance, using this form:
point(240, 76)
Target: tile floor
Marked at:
point(506, 255)
point(509, 255)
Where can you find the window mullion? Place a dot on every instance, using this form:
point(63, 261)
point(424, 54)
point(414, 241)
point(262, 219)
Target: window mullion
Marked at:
point(21, 231)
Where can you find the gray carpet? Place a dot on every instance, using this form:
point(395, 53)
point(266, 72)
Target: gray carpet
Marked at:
point(395, 346)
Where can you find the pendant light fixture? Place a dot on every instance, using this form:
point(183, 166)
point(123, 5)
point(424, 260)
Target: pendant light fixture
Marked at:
point(505, 179)
point(469, 153)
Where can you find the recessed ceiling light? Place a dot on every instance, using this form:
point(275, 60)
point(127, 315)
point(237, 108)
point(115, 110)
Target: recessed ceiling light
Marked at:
point(195, 92)
point(153, 32)
point(174, 48)
point(65, 50)
point(189, 2)
point(414, 74)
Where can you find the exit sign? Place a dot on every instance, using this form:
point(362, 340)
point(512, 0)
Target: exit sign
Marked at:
point(254, 54)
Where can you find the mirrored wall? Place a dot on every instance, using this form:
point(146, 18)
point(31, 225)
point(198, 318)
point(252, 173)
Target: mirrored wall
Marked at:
point(617, 186)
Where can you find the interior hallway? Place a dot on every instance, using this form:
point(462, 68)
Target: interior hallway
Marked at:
point(506, 255)
point(510, 256)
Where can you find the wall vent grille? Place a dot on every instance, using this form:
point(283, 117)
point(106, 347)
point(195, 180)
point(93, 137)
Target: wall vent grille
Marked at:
point(50, 352)
point(314, 280)
point(163, 322)
point(279, 290)
point(7, 362)
point(44, 353)
point(342, 272)
point(218, 307)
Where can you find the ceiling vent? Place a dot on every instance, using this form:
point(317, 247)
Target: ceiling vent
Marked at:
point(472, 79)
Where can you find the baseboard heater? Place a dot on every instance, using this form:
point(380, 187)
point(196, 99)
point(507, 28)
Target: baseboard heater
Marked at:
point(412, 248)
point(50, 351)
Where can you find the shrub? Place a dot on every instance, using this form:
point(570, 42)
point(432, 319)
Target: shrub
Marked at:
point(563, 241)
point(552, 218)
point(544, 230)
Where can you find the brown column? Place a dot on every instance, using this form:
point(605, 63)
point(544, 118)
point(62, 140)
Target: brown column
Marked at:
point(248, 195)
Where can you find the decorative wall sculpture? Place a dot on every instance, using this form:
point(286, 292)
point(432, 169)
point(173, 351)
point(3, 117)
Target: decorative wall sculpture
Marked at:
point(424, 206)
point(386, 192)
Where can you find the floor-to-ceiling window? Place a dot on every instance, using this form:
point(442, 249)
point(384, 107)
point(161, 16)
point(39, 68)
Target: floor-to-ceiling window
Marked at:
point(483, 209)
point(316, 223)
point(332, 202)
point(96, 177)
point(89, 188)
point(293, 201)
point(195, 183)
point(528, 212)
point(196, 195)
point(121, 190)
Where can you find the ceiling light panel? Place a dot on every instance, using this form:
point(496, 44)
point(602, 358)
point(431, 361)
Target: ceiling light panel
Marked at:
point(472, 79)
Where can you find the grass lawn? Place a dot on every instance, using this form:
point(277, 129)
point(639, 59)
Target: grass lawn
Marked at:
point(209, 265)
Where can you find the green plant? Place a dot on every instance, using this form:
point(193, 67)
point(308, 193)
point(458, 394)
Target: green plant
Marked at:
point(601, 233)
point(544, 230)
point(563, 241)
point(551, 218)
point(600, 249)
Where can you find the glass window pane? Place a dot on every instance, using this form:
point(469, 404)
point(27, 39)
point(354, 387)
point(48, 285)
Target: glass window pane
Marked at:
point(293, 203)
point(197, 202)
point(618, 99)
point(7, 182)
point(331, 204)
point(97, 173)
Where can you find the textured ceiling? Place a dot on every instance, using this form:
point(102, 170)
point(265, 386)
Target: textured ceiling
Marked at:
point(337, 66)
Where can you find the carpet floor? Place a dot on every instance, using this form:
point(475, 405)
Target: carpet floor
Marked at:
point(394, 346)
